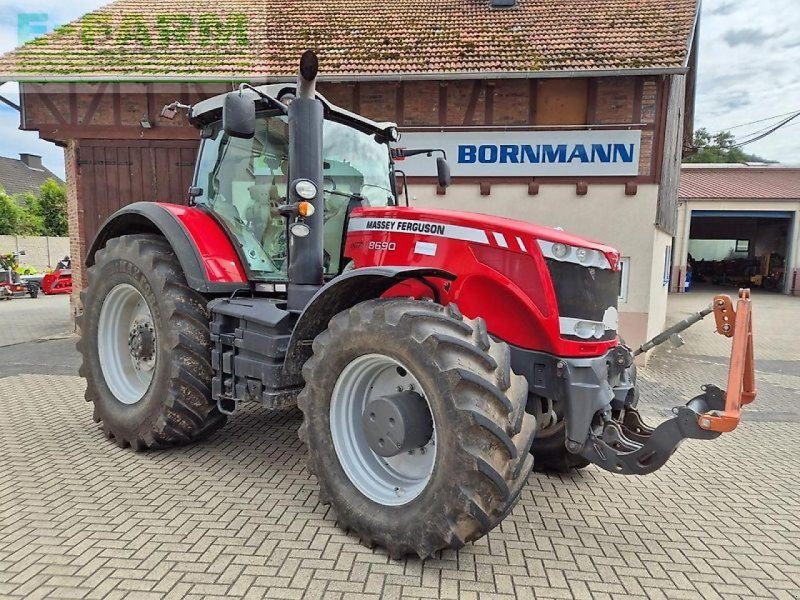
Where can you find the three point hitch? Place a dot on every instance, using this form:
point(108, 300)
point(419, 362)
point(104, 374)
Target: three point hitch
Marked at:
point(630, 447)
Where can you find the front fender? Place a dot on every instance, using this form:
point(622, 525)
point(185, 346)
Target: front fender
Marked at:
point(341, 293)
point(207, 257)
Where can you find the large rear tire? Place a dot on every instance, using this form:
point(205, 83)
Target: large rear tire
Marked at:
point(477, 457)
point(145, 346)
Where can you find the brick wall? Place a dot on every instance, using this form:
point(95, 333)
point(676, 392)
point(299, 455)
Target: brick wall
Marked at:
point(77, 243)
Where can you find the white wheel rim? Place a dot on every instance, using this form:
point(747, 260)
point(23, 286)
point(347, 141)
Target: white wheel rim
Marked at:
point(125, 332)
point(390, 481)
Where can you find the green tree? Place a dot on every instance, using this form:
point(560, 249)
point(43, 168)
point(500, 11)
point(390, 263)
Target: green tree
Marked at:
point(16, 219)
point(51, 207)
point(719, 148)
point(9, 214)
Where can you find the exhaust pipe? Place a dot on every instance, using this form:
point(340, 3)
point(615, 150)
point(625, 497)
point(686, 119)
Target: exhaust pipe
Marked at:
point(306, 116)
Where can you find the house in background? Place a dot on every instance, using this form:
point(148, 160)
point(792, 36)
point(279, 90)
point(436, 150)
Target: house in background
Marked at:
point(596, 97)
point(24, 174)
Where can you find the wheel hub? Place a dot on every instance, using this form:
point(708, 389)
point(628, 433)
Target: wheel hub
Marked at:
point(142, 344)
point(126, 343)
point(397, 423)
point(396, 472)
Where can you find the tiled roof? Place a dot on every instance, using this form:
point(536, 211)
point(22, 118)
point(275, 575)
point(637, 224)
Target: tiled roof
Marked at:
point(17, 178)
point(218, 39)
point(740, 182)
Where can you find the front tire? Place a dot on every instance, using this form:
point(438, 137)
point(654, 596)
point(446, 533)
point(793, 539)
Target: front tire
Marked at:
point(481, 433)
point(145, 346)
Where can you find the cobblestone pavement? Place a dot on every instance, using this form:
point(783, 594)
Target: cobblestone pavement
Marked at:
point(238, 516)
point(28, 319)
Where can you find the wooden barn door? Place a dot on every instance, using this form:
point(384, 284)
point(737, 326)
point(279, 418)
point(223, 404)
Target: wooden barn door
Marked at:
point(113, 174)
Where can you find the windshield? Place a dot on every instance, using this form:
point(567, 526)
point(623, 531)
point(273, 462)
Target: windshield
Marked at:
point(244, 182)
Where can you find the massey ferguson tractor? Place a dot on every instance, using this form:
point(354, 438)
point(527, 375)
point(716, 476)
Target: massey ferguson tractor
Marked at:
point(437, 356)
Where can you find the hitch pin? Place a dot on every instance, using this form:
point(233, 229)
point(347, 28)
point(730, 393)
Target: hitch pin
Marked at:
point(674, 330)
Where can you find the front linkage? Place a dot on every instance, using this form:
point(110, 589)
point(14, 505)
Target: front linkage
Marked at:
point(624, 444)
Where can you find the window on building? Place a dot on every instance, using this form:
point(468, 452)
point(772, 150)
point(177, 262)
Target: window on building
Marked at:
point(624, 277)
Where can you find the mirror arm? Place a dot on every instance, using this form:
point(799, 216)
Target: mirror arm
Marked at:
point(263, 96)
point(405, 153)
point(405, 184)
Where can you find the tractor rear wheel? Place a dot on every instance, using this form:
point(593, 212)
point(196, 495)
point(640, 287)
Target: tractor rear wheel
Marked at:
point(145, 346)
point(415, 425)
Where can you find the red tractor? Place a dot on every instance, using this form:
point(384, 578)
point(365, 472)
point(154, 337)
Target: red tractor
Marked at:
point(437, 356)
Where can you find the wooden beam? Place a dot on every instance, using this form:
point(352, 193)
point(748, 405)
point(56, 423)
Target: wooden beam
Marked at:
point(95, 103)
point(73, 104)
point(442, 103)
point(112, 132)
point(400, 106)
point(532, 91)
point(638, 90)
point(489, 103)
point(117, 99)
point(48, 104)
point(469, 113)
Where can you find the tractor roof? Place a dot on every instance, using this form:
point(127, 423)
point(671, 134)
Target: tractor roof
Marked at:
point(260, 40)
point(210, 110)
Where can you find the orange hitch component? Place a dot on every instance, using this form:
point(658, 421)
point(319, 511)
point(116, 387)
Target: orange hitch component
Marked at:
point(741, 388)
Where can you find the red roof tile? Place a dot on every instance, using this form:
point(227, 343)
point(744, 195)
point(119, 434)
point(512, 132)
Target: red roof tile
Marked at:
point(740, 182)
point(217, 39)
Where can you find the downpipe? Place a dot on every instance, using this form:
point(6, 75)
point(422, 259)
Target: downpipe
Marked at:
point(306, 118)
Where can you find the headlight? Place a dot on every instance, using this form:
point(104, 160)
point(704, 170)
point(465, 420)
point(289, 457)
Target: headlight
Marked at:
point(305, 189)
point(584, 329)
point(560, 250)
point(578, 255)
point(300, 229)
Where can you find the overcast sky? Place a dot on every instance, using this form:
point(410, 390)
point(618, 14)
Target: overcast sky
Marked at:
point(749, 70)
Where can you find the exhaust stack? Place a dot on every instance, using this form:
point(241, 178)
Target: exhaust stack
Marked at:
point(306, 117)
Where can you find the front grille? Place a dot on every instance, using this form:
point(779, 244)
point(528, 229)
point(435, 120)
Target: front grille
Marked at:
point(584, 292)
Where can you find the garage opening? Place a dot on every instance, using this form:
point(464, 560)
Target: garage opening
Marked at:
point(740, 248)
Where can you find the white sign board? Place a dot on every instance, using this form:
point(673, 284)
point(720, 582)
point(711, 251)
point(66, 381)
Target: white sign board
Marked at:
point(526, 153)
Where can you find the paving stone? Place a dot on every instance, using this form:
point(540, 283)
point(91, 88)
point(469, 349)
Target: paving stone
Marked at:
point(238, 516)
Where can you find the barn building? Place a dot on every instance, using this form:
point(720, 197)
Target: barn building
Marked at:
point(571, 114)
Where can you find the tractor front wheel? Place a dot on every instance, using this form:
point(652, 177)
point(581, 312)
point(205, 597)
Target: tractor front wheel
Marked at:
point(415, 425)
point(145, 346)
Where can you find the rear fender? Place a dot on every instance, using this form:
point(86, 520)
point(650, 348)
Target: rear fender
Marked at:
point(204, 251)
point(342, 293)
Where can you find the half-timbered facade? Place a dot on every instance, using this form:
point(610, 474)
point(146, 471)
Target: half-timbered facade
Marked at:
point(546, 141)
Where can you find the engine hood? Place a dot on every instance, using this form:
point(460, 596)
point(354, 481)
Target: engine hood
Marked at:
point(503, 230)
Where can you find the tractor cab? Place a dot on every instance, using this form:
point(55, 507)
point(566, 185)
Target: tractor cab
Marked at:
point(244, 181)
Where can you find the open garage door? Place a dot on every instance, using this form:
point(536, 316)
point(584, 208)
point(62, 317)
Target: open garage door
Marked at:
point(740, 248)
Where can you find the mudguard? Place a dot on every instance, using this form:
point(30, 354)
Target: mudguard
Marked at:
point(341, 293)
point(207, 257)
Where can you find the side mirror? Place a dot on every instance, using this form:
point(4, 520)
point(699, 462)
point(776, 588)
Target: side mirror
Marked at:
point(239, 115)
point(442, 172)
